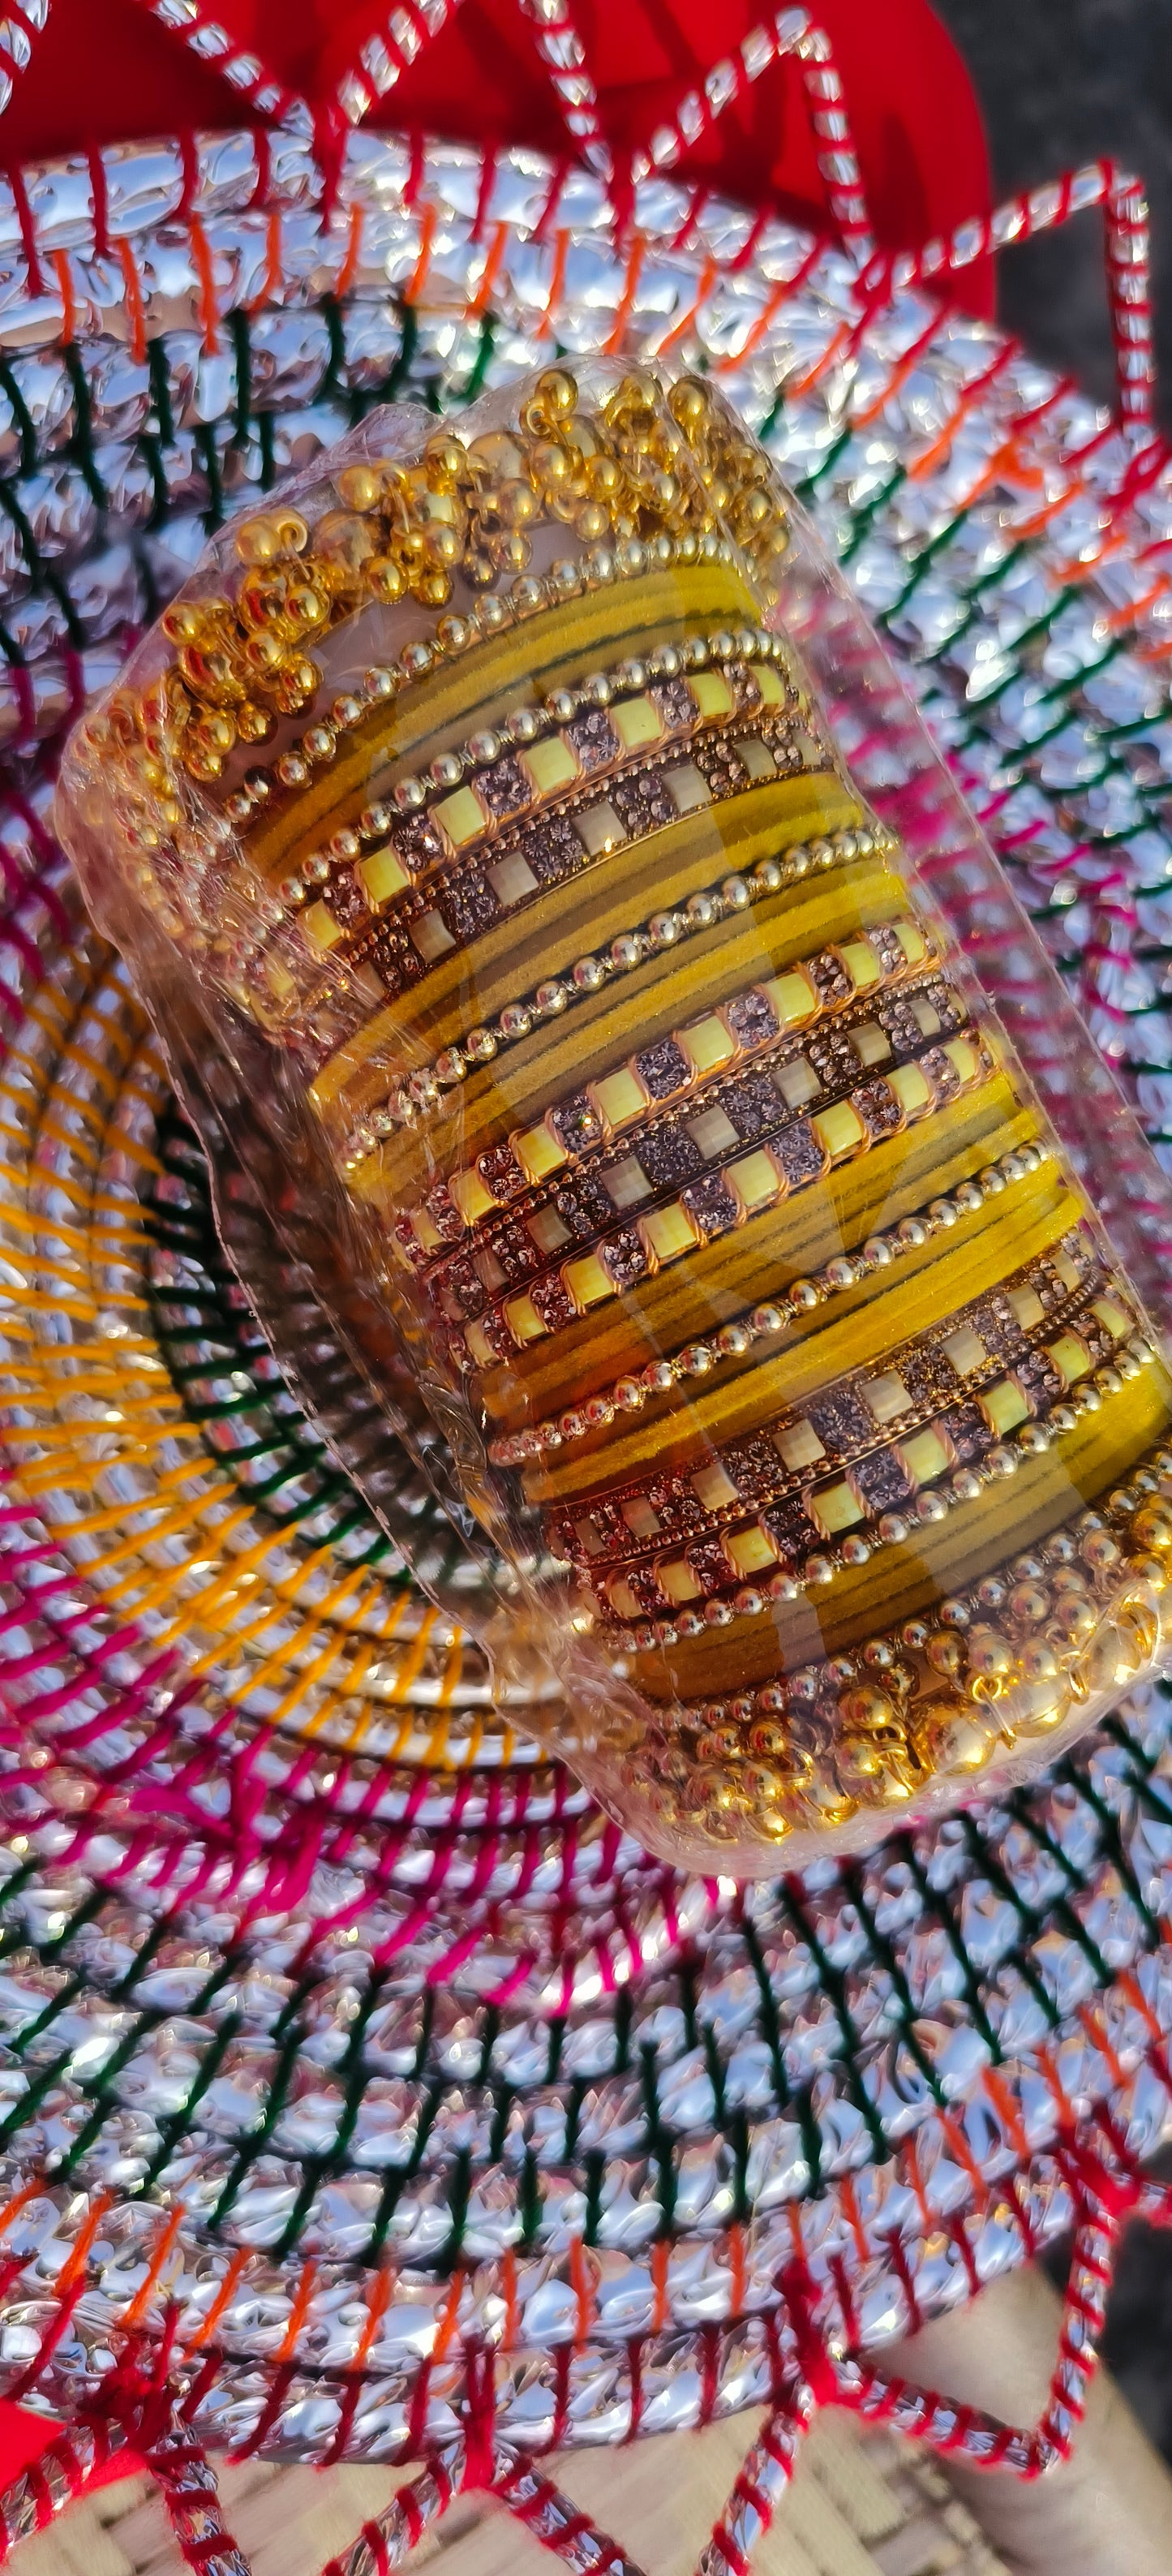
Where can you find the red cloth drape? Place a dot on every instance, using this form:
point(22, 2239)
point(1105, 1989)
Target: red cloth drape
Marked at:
point(105, 69)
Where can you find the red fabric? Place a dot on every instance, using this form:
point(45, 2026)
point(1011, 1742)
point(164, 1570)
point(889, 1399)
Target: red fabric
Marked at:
point(23, 2436)
point(104, 71)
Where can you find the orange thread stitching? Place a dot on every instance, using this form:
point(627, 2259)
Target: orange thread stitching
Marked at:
point(937, 447)
point(209, 310)
point(449, 2313)
point(801, 384)
point(1134, 609)
point(495, 254)
point(556, 283)
point(1007, 2110)
point(134, 304)
point(379, 2301)
point(708, 276)
point(12, 2208)
point(737, 2268)
point(779, 296)
point(272, 278)
point(298, 2313)
point(1096, 2032)
point(582, 2284)
point(203, 2334)
point(348, 270)
point(1130, 1986)
point(635, 258)
point(75, 2263)
point(1053, 2083)
point(60, 261)
point(962, 2151)
point(141, 2300)
point(418, 279)
point(916, 2179)
point(512, 2303)
point(850, 2205)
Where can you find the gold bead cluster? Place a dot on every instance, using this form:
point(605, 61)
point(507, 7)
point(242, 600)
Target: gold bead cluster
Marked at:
point(1006, 1662)
point(628, 472)
point(241, 664)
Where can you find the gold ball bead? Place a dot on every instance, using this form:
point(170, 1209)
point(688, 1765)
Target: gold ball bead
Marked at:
point(185, 620)
point(868, 1709)
point(253, 723)
point(445, 458)
point(217, 729)
point(386, 577)
point(256, 541)
point(876, 1770)
point(344, 538)
point(496, 455)
point(990, 1655)
point(1152, 1528)
point(262, 540)
point(557, 392)
point(761, 1785)
point(1030, 1604)
point(260, 600)
point(689, 401)
point(362, 487)
point(443, 546)
point(307, 607)
point(956, 1739)
point(512, 551)
point(262, 656)
point(831, 1804)
point(1046, 1714)
point(517, 503)
point(297, 682)
point(857, 1759)
point(202, 762)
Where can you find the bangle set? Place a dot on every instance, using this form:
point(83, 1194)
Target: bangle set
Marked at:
point(619, 1026)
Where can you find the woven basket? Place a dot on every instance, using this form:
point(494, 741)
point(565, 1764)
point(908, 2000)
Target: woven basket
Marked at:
point(366, 2095)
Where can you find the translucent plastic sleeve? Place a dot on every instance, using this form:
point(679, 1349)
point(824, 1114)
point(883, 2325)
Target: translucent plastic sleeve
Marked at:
point(549, 896)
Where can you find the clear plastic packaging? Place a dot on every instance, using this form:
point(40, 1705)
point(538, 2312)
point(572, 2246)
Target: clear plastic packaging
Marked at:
point(546, 891)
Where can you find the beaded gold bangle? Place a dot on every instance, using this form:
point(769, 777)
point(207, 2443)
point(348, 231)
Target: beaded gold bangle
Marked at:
point(876, 1493)
point(765, 1322)
point(707, 1575)
point(689, 1059)
point(423, 1092)
point(725, 1195)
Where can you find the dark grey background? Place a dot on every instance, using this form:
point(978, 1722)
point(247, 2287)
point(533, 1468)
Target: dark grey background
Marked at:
point(1138, 2342)
point(1062, 81)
